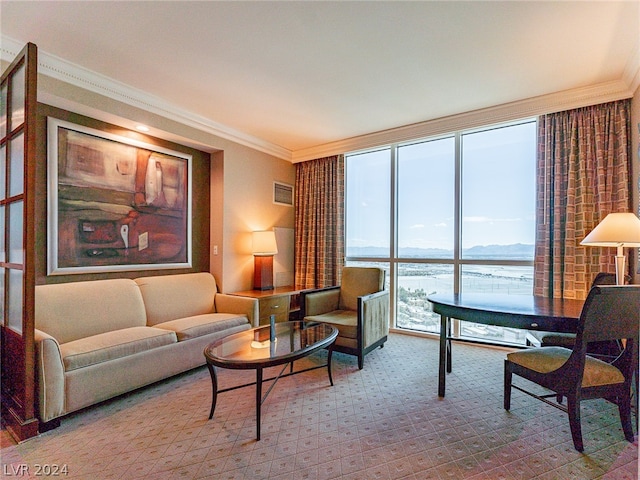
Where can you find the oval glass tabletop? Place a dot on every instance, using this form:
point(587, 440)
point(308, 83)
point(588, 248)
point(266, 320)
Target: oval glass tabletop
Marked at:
point(251, 348)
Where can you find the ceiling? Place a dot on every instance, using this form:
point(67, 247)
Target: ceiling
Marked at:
point(299, 74)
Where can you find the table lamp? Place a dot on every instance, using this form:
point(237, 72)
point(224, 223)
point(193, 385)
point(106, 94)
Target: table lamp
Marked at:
point(616, 230)
point(264, 248)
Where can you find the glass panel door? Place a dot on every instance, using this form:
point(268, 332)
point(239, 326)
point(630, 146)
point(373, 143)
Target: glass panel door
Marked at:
point(18, 101)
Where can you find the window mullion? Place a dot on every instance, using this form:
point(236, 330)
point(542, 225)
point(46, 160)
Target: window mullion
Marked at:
point(457, 237)
point(393, 230)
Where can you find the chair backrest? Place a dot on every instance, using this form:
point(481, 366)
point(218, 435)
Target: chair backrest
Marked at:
point(609, 313)
point(359, 281)
point(605, 278)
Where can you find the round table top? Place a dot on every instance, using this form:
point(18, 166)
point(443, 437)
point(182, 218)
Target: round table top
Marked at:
point(253, 349)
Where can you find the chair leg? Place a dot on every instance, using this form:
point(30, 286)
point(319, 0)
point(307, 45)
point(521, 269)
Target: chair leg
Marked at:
point(624, 406)
point(635, 394)
point(360, 361)
point(507, 385)
point(573, 408)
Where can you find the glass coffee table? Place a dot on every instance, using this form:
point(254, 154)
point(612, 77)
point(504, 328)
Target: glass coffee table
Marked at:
point(252, 349)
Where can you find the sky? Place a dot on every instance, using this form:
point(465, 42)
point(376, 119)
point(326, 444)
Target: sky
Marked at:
point(498, 185)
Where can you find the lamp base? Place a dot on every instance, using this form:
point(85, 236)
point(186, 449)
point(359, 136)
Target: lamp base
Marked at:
point(620, 261)
point(263, 272)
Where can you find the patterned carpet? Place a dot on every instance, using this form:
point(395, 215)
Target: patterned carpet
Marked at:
point(383, 422)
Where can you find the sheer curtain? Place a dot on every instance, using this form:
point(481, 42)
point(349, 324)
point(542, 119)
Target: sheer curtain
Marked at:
point(319, 222)
point(584, 160)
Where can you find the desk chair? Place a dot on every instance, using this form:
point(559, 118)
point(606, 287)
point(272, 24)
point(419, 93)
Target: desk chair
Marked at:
point(609, 313)
point(555, 339)
point(359, 309)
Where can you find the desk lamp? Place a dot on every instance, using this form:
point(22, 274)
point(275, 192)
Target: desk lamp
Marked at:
point(616, 230)
point(264, 248)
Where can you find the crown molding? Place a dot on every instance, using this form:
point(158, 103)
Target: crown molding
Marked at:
point(60, 69)
point(531, 107)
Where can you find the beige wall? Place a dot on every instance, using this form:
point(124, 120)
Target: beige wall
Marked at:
point(241, 177)
point(247, 206)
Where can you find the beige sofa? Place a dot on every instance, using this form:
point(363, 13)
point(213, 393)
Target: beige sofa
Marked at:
point(98, 339)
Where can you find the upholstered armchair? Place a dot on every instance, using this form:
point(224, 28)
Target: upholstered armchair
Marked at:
point(358, 308)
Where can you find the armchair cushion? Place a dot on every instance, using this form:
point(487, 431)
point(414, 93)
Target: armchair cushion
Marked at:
point(346, 321)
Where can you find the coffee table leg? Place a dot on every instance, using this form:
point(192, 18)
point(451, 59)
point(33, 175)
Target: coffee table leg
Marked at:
point(445, 354)
point(258, 400)
point(442, 364)
point(329, 357)
point(214, 383)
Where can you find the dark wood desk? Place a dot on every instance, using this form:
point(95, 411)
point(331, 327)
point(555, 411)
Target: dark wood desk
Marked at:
point(515, 311)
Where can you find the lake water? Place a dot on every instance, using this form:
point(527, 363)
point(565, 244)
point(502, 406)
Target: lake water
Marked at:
point(416, 281)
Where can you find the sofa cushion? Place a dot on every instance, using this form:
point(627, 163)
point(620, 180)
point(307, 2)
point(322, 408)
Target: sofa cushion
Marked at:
point(199, 325)
point(170, 297)
point(71, 311)
point(111, 345)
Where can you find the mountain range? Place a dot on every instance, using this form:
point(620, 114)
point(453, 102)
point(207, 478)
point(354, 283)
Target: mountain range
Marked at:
point(516, 251)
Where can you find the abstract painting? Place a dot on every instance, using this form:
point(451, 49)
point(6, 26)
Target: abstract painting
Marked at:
point(115, 203)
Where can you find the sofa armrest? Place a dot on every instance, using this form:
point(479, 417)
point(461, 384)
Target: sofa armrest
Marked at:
point(50, 376)
point(225, 303)
point(373, 312)
point(317, 302)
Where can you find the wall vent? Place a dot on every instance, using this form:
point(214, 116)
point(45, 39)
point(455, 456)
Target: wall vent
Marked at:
point(282, 194)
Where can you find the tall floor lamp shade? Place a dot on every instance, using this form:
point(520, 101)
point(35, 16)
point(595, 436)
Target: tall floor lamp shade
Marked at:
point(616, 230)
point(264, 248)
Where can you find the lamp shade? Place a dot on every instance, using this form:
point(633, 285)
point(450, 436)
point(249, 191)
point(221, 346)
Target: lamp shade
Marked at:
point(616, 230)
point(264, 243)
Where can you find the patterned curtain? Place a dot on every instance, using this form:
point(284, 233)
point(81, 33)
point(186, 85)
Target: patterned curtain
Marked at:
point(319, 221)
point(584, 165)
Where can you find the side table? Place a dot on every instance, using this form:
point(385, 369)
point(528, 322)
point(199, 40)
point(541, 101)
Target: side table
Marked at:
point(283, 302)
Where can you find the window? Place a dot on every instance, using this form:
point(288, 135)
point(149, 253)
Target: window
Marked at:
point(448, 214)
point(367, 212)
point(426, 199)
